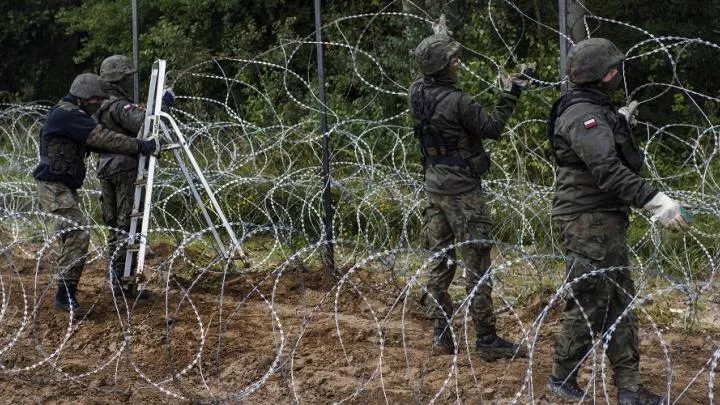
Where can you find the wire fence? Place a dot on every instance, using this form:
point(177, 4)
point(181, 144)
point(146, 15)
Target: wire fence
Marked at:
point(285, 331)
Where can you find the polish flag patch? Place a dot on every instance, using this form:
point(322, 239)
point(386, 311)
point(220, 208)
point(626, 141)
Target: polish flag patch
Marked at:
point(591, 123)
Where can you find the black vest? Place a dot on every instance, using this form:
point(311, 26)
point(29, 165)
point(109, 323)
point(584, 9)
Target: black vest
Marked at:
point(62, 159)
point(435, 146)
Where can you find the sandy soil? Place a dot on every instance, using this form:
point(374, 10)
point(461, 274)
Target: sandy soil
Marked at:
point(282, 338)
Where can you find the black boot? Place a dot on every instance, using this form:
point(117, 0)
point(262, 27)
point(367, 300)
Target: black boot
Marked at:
point(494, 347)
point(442, 339)
point(565, 388)
point(65, 300)
point(638, 395)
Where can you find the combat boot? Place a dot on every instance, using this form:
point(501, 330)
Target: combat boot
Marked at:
point(65, 300)
point(565, 388)
point(493, 347)
point(442, 339)
point(638, 395)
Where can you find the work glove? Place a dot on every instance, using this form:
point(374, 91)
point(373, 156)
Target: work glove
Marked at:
point(168, 97)
point(440, 27)
point(670, 214)
point(146, 146)
point(629, 113)
point(514, 83)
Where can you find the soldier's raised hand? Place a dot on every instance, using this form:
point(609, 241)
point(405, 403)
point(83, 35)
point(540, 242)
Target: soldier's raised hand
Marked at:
point(515, 82)
point(440, 27)
point(629, 112)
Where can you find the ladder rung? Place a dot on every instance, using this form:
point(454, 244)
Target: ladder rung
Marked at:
point(137, 214)
point(141, 183)
point(170, 146)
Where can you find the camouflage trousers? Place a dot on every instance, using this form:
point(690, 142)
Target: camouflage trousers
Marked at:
point(117, 194)
point(58, 199)
point(463, 219)
point(596, 241)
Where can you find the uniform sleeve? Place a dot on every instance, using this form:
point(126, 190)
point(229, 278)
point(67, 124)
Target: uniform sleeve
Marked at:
point(479, 123)
point(109, 141)
point(128, 115)
point(593, 141)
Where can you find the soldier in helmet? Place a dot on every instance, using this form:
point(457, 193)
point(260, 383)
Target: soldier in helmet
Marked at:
point(450, 126)
point(68, 134)
point(117, 172)
point(597, 182)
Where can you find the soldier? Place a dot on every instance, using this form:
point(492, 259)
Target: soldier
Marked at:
point(597, 182)
point(450, 126)
point(118, 172)
point(68, 134)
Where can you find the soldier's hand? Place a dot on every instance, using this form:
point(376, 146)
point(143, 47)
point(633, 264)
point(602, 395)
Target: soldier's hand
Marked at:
point(526, 74)
point(514, 83)
point(146, 146)
point(629, 112)
point(168, 98)
point(440, 27)
point(668, 212)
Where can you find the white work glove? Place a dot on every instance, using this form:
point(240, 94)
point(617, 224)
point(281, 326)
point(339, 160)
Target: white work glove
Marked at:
point(668, 212)
point(440, 27)
point(630, 113)
point(519, 79)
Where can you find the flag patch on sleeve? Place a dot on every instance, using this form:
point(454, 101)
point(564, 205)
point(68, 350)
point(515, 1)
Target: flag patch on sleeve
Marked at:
point(591, 123)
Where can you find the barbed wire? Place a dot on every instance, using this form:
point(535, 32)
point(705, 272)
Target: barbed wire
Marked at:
point(283, 330)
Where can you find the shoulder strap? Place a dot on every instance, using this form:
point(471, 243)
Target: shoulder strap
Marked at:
point(422, 110)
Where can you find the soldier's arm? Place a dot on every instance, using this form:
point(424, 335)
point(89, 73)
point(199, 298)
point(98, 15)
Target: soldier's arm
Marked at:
point(479, 123)
point(593, 141)
point(128, 115)
point(76, 124)
point(101, 138)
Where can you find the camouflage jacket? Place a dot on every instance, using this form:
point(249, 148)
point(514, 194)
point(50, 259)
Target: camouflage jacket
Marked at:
point(598, 160)
point(462, 123)
point(66, 136)
point(119, 114)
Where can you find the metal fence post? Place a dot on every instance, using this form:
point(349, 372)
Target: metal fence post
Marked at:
point(136, 52)
point(330, 258)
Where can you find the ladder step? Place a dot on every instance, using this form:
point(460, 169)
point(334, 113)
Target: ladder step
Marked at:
point(136, 214)
point(170, 146)
point(141, 183)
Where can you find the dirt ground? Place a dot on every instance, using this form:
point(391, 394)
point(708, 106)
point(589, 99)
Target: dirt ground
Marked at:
point(285, 337)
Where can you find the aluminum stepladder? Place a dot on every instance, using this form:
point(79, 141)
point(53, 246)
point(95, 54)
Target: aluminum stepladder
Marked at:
point(160, 126)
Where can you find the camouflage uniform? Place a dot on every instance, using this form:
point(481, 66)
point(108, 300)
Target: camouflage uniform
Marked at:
point(117, 172)
point(597, 181)
point(450, 126)
point(456, 209)
point(62, 201)
point(68, 134)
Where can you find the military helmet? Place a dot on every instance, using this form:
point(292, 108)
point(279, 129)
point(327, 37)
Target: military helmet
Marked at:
point(88, 85)
point(434, 53)
point(590, 60)
point(115, 67)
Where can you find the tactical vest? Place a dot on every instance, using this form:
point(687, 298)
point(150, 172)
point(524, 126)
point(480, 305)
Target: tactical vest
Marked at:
point(627, 149)
point(64, 158)
point(436, 146)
